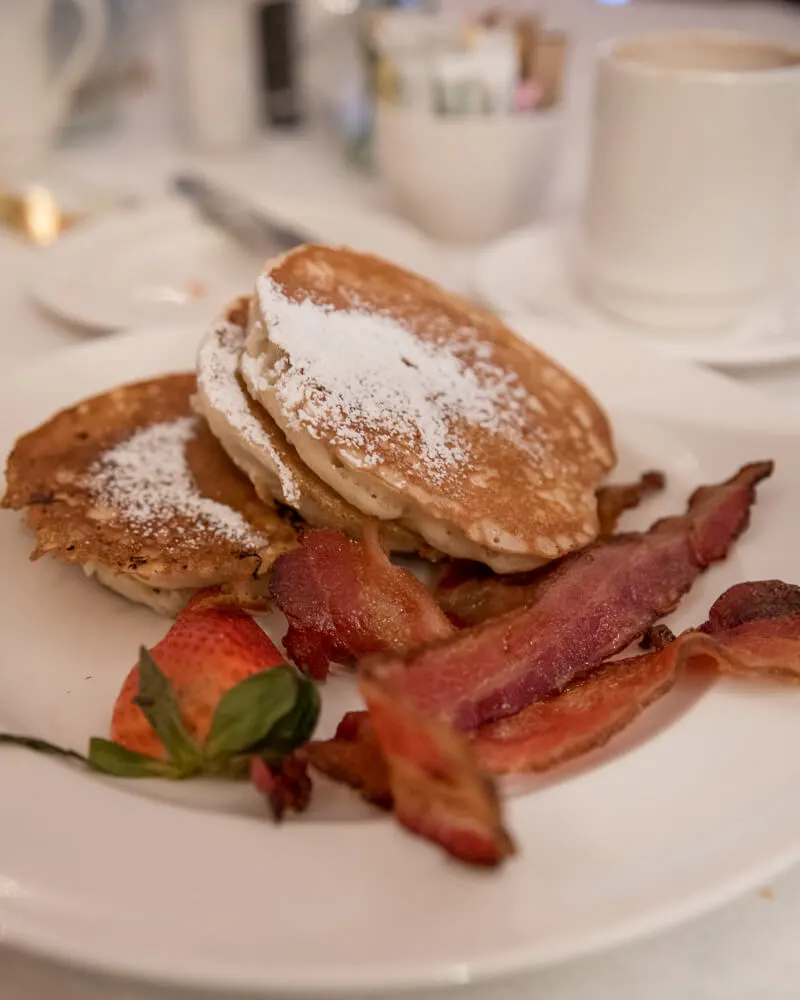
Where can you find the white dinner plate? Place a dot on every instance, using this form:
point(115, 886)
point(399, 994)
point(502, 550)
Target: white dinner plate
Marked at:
point(529, 272)
point(161, 264)
point(192, 884)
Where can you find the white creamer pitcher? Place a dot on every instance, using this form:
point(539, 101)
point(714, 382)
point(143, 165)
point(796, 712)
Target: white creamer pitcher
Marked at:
point(35, 96)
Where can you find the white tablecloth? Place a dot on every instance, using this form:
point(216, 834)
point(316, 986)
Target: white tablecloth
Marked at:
point(746, 950)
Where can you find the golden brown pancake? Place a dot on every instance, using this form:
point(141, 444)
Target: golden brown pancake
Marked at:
point(132, 486)
point(419, 407)
point(257, 445)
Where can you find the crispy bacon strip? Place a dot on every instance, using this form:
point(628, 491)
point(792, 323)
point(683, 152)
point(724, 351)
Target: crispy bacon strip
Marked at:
point(753, 629)
point(469, 592)
point(584, 716)
point(594, 605)
point(657, 637)
point(438, 790)
point(353, 758)
point(615, 498)
point(285, 785)
point(344, 600)
point(749, 602)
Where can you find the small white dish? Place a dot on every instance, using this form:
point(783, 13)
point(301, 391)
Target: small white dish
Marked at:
point(161, 264)
point(465, 178)
point(530, 272)
point(191, 884)
point(141, 266)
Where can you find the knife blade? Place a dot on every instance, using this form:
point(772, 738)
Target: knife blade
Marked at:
point(250, 228)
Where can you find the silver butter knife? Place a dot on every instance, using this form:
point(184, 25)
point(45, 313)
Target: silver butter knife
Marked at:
point(250, 228)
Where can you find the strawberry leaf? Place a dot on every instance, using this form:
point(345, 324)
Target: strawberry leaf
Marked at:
point(111, 758)
point(157, 699)
point(246, 713)
point(297, 726)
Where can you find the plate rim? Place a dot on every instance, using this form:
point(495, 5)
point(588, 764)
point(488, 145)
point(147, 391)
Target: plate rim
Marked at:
point(210, 979)
point(166, 212)
point(776, 415)
point(318, 219)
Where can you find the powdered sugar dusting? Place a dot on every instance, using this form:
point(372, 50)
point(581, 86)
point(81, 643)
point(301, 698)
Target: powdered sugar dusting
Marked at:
point(147, 478)
point(217, 370)
point(368, 376)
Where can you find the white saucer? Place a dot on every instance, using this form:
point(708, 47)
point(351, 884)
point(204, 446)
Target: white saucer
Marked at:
point(528, 272)
point(160, 264)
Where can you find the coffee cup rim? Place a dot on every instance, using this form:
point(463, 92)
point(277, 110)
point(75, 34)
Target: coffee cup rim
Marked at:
point(609, 54)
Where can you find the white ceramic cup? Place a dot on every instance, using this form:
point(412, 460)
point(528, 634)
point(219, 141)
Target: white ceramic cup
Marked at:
point(464, 179)
point(33, 99)
point(693, 167)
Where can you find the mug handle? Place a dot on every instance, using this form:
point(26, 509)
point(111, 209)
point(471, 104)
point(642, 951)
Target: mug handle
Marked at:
point(84, 52)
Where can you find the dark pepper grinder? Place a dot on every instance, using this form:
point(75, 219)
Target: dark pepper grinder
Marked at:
point(277, 27)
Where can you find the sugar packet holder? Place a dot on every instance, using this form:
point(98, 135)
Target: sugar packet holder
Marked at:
point(495, 76)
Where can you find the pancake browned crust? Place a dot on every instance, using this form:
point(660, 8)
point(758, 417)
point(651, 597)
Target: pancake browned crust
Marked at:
point(257, 445)
point(418, 406)
point(51, 475)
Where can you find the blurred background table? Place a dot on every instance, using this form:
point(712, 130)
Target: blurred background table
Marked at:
point(749, 948)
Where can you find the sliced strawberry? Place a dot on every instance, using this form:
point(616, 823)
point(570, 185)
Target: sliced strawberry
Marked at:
point(211, 648)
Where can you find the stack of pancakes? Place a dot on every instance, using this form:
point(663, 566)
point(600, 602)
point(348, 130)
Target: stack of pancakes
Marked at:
point(349, 389)
point(343, 392)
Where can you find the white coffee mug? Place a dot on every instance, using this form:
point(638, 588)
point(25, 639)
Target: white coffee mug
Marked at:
point(34, 100)
point(693, 168)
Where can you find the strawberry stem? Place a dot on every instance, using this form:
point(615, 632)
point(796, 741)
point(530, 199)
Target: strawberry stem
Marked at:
point(41, 746)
